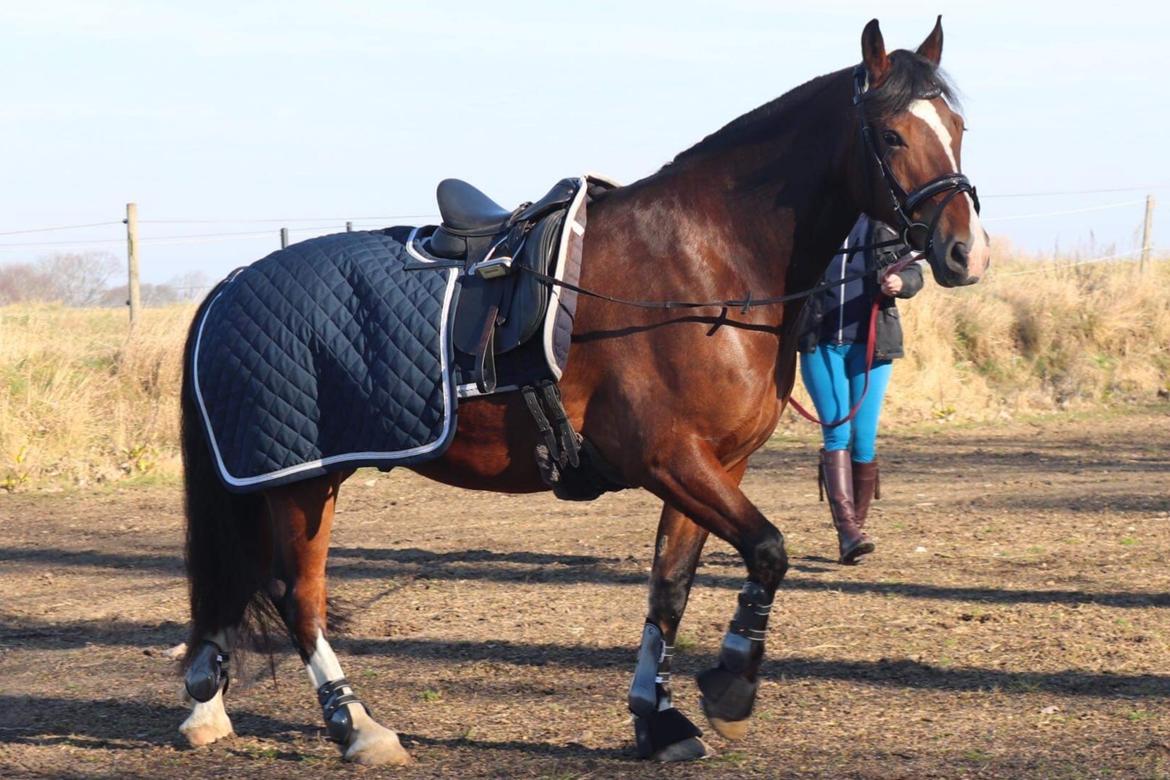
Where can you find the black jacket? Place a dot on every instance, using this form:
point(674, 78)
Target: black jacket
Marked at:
point(841, 314)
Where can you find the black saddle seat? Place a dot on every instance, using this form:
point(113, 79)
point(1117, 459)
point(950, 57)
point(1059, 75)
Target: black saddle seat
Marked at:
point(473, 222)
point(465, 209)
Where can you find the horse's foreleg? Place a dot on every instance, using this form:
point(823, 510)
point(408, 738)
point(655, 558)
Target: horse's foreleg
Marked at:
point(697, 483)
point(660, 731)
point(302, 518)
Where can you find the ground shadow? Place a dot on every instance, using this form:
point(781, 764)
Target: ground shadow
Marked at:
point(113, 724)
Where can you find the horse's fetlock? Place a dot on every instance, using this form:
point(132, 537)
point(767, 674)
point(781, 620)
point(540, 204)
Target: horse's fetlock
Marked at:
point(207, 672)
point(650, 688)
point(334, 696)
point(744, 641)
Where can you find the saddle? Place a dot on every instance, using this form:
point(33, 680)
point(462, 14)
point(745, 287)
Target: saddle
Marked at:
point(500, 308)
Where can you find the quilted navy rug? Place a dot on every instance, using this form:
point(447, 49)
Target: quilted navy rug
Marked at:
point(324, 356)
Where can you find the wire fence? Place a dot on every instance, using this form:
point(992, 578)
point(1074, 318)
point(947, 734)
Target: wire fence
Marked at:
point(318, 225)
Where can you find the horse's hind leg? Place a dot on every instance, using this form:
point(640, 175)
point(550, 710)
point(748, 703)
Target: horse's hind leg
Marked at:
point(302, 517)
point(208, 720)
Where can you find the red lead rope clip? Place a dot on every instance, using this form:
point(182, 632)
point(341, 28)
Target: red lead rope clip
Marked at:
point(869, 346)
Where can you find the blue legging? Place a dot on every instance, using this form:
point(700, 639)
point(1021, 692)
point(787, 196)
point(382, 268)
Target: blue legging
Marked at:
point(834, 376)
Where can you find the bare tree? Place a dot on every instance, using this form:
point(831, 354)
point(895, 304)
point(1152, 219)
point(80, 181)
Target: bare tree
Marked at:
point(21, 282)
point(79, 279)
point(191, 286)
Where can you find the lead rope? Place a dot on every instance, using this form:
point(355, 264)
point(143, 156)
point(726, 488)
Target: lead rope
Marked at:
point(869, 348)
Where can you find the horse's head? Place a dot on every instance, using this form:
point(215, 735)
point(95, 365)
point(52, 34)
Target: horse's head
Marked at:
point(910, 137)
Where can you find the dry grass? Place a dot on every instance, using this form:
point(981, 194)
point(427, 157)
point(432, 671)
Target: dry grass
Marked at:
point(81, 404)
point(1034, 336)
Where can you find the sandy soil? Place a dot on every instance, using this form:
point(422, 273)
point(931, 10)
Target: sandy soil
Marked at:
point(1013, 623)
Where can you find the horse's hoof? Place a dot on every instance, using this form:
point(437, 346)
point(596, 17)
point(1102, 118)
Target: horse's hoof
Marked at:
point(688, 750)
point(732, 730)
point(668, 736)
point(727, 701)
point(374, 745)
point(207, 723)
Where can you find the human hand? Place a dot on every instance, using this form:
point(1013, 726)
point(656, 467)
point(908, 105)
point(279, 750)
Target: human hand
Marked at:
point(891, 284)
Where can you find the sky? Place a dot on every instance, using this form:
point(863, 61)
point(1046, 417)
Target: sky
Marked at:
point(238, 118)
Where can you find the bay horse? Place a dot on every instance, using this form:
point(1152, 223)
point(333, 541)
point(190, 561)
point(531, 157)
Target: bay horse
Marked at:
point(674, 403)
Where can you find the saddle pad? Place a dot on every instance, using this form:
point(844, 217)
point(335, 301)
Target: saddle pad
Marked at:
point(324, 356)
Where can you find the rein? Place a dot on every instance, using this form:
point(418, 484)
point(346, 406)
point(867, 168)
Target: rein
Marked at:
point(743, 304)
point(905, 203)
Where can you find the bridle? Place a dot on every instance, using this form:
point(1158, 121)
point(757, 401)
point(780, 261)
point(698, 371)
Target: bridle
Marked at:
point(906, 203)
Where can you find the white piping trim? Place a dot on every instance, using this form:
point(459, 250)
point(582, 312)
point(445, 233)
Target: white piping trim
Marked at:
point(452, 275)
point(410, 250)
point(554, 300)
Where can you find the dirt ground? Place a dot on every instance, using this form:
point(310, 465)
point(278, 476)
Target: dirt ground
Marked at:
point(1013, 623)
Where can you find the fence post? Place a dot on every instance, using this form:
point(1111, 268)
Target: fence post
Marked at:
point(134, 296)
point(283, 238)
point(1147, 229)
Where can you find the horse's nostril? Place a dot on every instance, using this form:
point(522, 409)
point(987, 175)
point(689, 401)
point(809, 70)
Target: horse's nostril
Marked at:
point(959, 254)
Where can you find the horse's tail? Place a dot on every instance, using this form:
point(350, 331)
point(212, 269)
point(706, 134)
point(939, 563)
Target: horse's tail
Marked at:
point(225, 533)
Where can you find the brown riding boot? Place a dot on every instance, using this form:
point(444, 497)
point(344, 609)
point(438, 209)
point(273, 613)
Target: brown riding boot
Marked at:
point(866, 487)
point(836, 477)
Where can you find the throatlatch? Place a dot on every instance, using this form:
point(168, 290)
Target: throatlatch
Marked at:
point(207, 673)
point(333, 696)
point(657, 724)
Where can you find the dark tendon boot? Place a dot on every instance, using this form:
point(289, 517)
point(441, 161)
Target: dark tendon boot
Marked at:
point(866, 487)
point(837, 478)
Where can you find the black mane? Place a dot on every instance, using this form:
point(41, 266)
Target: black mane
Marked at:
point(911, 77)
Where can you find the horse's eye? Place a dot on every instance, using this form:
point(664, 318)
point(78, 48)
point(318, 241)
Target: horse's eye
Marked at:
point(891, 138)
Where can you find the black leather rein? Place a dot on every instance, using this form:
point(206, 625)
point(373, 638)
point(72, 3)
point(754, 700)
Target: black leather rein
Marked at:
point(743, 304)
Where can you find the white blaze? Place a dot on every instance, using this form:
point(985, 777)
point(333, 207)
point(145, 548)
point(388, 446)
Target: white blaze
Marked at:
point(978, 251)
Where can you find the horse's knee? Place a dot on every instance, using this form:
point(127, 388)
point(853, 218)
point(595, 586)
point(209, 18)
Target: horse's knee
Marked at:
point(767, 559)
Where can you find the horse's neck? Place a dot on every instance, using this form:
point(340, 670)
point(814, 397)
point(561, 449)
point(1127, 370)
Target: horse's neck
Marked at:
point(781, 203)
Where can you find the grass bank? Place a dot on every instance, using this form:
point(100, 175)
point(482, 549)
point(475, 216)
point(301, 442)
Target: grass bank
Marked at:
point(81, 403)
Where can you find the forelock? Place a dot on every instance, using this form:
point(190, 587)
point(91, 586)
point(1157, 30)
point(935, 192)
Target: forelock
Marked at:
point(911, 77)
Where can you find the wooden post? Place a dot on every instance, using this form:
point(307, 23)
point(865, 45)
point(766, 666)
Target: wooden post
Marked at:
point(348, 227)
point(134, 297)
point(283, 238)
point(1147, 229)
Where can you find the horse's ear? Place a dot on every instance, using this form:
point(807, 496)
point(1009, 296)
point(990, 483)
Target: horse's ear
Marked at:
point(931, 48)
point(873, 53)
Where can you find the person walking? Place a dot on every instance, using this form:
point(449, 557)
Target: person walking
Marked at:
point(833, 342)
